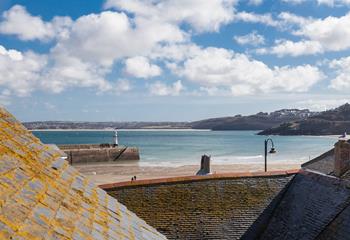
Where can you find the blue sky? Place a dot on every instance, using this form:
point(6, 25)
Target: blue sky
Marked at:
point(152, 60)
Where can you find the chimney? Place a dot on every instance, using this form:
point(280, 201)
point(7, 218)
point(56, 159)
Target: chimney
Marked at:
point(205, 166)
point(342, 157)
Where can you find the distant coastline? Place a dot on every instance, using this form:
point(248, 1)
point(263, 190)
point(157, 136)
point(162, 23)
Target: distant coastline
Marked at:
point(255, 122)
point(126, 129)
point(284, 122)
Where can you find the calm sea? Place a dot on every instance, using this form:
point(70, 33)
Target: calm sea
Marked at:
point(174, 148)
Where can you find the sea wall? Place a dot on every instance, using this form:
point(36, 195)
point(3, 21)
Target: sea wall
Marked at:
point(218, 206)
point(93, 153)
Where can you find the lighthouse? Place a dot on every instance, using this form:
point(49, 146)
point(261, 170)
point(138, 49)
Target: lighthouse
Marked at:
point(115, 138)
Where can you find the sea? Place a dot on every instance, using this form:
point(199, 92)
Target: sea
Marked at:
point(185, 147)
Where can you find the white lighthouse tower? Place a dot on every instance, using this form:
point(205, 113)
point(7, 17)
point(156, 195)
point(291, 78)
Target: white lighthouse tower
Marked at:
point(115, 138)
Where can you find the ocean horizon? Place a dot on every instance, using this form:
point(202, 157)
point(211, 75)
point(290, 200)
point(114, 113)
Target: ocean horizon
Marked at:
point(172, 148)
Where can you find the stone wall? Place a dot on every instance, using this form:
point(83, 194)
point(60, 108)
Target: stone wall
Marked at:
point(93, 153)
point(211, 208)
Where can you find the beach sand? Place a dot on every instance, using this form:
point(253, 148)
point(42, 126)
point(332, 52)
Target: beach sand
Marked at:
point(111, 173)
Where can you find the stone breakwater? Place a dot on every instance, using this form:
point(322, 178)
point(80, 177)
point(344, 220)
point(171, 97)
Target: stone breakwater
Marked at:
point(95, 153)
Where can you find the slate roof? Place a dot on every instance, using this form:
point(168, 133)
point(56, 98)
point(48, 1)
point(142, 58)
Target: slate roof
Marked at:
point(42, 197)
point(323, 163)
point(313, 206)
point(217, 206)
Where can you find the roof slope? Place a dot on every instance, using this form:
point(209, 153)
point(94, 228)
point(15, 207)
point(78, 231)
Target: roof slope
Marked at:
point(312, 208)
point(42, 197)
point(213, 207)
point(323, 163)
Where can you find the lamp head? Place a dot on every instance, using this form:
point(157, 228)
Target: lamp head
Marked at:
point(273, 150)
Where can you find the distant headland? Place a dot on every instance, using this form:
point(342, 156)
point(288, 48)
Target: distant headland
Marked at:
point(280, 122)
point(331, 122)
point(259, 121)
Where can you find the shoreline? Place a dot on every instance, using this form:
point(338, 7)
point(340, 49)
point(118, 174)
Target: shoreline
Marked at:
point(113, 173)
point(122, 130)
point(168, 130)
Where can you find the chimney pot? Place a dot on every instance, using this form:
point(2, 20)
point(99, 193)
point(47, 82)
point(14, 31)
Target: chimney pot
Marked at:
point(205, 166)
point(342, 157)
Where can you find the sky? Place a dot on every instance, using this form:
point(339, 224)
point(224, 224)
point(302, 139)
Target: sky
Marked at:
point(171, 60)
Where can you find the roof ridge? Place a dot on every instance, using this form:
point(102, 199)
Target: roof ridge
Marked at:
point(192, 178)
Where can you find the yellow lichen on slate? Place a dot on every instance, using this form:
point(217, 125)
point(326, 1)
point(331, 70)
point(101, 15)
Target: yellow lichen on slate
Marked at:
point(42, 197)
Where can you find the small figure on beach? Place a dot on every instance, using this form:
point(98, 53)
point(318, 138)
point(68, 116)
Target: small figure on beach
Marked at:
point(134, 178)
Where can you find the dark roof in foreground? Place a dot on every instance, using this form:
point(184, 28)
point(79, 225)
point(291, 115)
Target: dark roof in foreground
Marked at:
point(305, 205)
point(42, 197)
point(313, 206)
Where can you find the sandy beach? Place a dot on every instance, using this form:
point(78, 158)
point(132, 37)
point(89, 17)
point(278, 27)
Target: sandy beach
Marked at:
point(111, 173)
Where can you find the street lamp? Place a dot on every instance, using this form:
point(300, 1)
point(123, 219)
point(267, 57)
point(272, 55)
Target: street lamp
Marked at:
point(272, 150)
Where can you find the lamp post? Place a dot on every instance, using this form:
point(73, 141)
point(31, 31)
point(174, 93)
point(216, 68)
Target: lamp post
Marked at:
point(272, 150)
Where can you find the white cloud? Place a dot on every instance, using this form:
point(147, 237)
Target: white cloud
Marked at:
point(86, 53)
point(242, 89)
point(202, 16)
point(66, 71)
point(17, 21)
point(50, 106)
point(218, 67)
point(5, 97)
point(109, 36)
point(326, 2)
point(174, 52)
point(318, 36)
point(123, 85)
point(332, 33)
point(161, 89)
point(342, 80)
point(294, 1)
point(20, 72)
point(256, 18)
point(87, 49)
point(321, 104)
point(255, 2)
point(140, 67)
point(287, 18)
point(286, 47)
point(284, 20)
point(252, 38)
point(211, 91)
point(332, 3)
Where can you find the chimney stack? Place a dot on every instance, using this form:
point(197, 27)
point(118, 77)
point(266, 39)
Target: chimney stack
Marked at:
point(205, 166)
point(342, 157)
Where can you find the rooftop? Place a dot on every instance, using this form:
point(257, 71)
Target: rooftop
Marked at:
point(42, 197)
point(290, 205)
